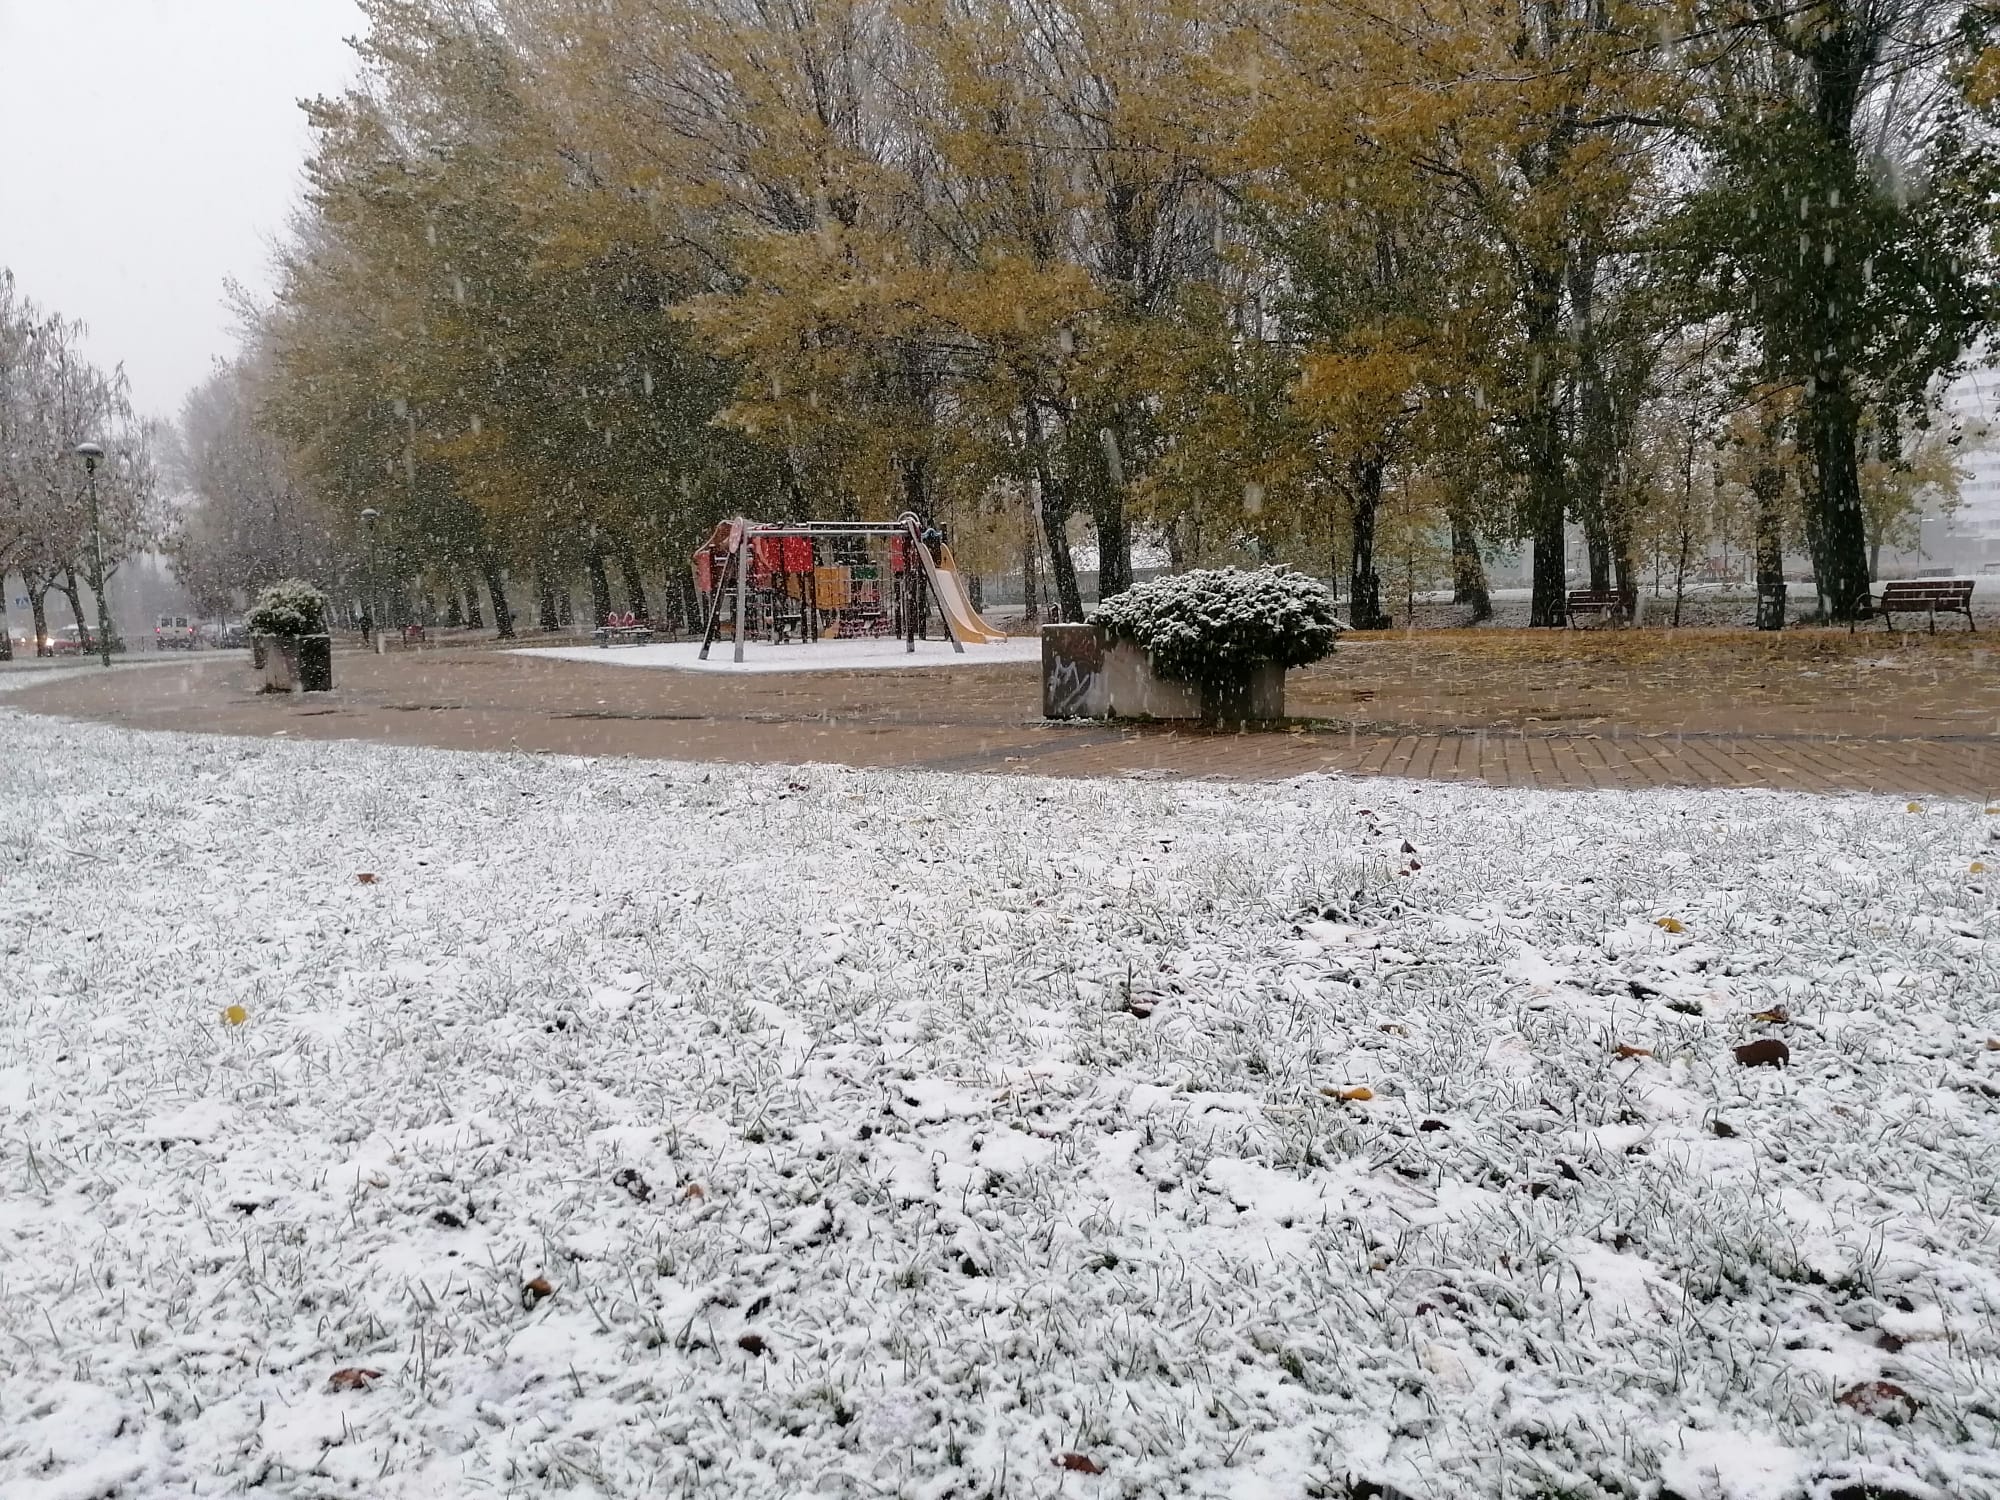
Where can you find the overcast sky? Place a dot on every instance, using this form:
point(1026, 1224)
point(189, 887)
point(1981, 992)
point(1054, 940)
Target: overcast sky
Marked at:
point(150, 151)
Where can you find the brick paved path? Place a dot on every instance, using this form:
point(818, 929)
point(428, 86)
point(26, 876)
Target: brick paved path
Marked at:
point(982, 719)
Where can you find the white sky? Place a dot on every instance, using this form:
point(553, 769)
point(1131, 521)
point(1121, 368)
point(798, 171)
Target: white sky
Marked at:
point(150, 150)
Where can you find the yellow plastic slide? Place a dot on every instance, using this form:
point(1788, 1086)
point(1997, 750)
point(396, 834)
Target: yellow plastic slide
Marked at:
point(965, 622)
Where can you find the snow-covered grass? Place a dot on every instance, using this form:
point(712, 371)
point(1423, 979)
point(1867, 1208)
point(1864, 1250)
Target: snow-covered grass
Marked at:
point(874, 654)
point(662, 1129)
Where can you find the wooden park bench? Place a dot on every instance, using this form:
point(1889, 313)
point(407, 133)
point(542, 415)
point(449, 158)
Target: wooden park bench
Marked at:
point(623, 630)
point(1605, 602)
point(413, 635)
point(1926, 595)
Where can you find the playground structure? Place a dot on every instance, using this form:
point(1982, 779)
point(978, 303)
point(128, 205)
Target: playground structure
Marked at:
point(823, 580)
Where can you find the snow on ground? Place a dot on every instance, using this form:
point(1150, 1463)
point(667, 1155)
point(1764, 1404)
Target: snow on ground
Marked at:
point(650, 1128)
point(873, 654)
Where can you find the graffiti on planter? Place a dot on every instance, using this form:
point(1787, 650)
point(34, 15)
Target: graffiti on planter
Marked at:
point(1072, 672)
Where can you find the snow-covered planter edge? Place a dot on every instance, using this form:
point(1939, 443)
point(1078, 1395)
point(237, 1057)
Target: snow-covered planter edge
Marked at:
point(1230, 634)
point(290, 607)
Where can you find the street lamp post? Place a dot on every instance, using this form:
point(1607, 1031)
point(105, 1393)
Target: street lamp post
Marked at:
point(92, 455)
point(372, 608)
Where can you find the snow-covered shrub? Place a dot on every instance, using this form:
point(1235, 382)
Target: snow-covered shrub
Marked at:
point(1217, 624)
point(291, 606)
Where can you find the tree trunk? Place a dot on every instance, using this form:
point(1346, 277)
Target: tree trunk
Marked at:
point(690, 601)
point(1768, 485)
point(1031, 583)
point(38, 605)
point(545, 596)
point(1541, 317)
point(1468, 568)
point(916, 487)
point(1833, 419)
point(496, 590)
point(600, 585)
point(453, 613)
point(635, 586)
point(1595, 439)
point(473, 618)
point(1055, 518)
point(1364, 499)
point(73, 591)
point(1107, 506)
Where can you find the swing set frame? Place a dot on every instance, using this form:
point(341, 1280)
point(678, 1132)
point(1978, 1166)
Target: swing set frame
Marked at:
point(742, 534)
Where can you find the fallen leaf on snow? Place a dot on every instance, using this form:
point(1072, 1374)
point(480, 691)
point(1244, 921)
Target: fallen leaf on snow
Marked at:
point(1777, 1015)
point(752, 1343)
point(1880, 1399)
point(1354, 1094)
point(1978, 867)
point(365, 878)
point(1913, 807)
point(1623, 1050)
point(352, 1379)
point(236, 1015)
point(536, 1291)
point(693, 1190)
point(1768, 1053)
point(1079, 1463)
point(1669, 924)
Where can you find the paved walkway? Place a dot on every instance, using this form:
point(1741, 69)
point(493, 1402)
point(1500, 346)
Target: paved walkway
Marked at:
point(982, 719)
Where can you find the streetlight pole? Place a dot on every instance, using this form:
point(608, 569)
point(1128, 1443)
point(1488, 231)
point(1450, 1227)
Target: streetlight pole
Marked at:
point(373, 607)
point(92, 455)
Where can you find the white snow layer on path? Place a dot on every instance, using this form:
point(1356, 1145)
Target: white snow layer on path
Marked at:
point(901, 1134)
point(874, 654)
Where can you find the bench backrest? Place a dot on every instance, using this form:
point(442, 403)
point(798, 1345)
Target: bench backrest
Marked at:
point(1577, 597)
point(1952, 591)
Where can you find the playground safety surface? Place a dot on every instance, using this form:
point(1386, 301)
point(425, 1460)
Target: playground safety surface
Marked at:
point(1809, 710)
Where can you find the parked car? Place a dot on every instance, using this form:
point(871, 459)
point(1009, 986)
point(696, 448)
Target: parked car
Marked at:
point(69, 641)
point(175, 633)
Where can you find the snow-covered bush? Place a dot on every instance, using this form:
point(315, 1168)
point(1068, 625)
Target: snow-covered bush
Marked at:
point(291, 606)
point(1217, 624)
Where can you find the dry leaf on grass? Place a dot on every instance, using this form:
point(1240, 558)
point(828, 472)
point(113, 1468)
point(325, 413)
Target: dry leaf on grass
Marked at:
point(1769, 1053)
point(1622, 1050)
point(693, 1190)
point(1670, 924)
point(536, 1291)
point(1777, 1015)
point(352, 1379)
point(236, 1015)
point(1079, 1463)
point(365, 878)
point(1355, 1095)
point(1880, 1399)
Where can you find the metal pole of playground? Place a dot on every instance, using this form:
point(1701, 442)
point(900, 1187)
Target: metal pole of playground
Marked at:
point(742, 587)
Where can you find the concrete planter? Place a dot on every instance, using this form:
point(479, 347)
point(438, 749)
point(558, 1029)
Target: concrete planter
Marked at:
point(1085, 676)
point(294, 663)
point(1258, 695)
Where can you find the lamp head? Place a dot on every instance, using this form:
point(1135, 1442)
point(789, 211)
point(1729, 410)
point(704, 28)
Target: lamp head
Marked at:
point(90, 453)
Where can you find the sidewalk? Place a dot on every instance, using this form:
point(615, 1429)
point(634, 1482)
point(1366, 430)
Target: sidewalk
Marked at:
point(984, 720)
